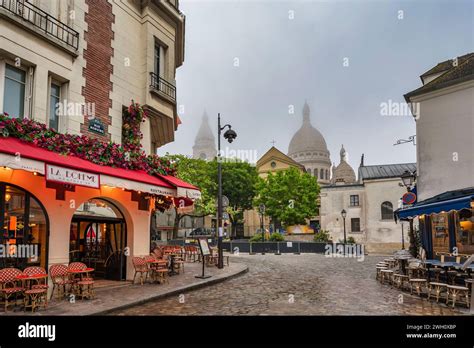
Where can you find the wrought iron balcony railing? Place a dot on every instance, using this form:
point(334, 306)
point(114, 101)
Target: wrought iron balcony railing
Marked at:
point(42, 20)
point(160, 84)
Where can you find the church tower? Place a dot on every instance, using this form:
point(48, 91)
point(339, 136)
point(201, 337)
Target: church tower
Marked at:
point(205, 143)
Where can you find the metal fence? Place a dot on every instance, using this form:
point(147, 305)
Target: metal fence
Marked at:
point(243, 246)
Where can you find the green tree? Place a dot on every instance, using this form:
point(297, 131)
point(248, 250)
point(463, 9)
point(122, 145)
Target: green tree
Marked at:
point(239, 186)
point(199, 173)
point(289, 196)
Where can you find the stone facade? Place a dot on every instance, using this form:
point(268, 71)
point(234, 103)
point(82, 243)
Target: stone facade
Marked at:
point(371, 201)
point(100, 69)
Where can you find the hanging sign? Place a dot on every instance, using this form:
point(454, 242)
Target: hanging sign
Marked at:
point(72, 176)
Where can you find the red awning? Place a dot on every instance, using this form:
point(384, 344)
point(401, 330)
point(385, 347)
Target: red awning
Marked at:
point(183, 188)
point(15, 147)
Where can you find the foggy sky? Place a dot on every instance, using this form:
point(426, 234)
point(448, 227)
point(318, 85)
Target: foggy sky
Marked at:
point(285, 61)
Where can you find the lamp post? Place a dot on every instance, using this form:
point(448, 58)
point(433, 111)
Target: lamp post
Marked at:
point(408, 179)
point(344, 214)
point(261, 208)
point(230, 135)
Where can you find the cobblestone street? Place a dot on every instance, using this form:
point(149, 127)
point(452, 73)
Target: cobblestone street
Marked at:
point(306, 284)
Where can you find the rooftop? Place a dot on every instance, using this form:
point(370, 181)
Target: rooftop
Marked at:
point(450, 75)
point(385, 171)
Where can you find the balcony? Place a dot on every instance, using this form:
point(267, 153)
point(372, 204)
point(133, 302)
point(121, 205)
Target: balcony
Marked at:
point(40, 22)
point(163, 87)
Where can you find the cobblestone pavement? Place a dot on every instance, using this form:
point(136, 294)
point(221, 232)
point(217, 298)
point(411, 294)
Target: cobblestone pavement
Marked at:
point(306, 284)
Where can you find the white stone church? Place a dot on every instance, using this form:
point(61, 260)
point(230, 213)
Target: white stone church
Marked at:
point(369, 200)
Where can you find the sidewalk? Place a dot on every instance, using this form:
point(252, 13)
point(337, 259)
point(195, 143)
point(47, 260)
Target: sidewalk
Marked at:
point(123, 294)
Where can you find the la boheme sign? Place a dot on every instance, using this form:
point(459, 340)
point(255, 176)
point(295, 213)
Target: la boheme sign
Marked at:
point(72, 176)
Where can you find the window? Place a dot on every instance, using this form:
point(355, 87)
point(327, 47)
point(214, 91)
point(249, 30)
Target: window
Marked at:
point(24, 223)
point(387, 211)
point(308, 171)
point(464, 231)
point(354, 200)
point(355, 225)
point(157, 66)
point(321, 173)
point(14, 96)
point(54, 99)
point(316, 172)
point(327, 174)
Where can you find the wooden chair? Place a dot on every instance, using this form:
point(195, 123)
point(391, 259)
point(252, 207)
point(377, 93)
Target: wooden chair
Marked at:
point(37, 298)
point(60, 279)
point(438, 288)
point(9, 286)
point(141, 267)
point(455, 292)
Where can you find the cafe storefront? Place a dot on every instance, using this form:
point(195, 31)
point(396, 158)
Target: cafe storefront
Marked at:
point(446, 222)
point(71, 209)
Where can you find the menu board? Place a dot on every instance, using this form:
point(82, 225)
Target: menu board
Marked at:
point(204, 246)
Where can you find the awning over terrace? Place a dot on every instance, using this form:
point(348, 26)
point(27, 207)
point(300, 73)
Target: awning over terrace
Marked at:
point(17, 154)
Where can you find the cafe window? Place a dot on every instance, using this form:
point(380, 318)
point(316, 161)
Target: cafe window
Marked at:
point(387, 211)
point(24, 234)
point(440, 232)
point(465, 231)
point(354, 200)
point(14, 92)
point(355, 225)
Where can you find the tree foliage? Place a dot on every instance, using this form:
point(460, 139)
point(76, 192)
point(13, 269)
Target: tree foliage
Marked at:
point(289, 196)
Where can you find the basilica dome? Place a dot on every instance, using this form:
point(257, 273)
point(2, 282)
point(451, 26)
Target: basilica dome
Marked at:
point(344, 173)
point(308, 147)
point(307, 138)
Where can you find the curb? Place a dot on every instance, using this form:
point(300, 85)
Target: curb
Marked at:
point(173, 292)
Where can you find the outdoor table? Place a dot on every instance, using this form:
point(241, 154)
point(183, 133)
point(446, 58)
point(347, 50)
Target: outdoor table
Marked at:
point(80, 272)
point(26, 279)
point(172, 257)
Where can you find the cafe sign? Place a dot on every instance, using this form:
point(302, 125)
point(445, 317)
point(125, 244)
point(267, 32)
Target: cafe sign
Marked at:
point(72, 176)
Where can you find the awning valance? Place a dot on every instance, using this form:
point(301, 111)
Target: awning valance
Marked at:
point(183, 188)
point(434, 207)
point(17, 154)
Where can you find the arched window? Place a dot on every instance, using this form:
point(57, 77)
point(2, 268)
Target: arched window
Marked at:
point(316, 173)
point(25, 224)
point(308, 171)
point(321, 173)
point(327, 174)
point(387, 210)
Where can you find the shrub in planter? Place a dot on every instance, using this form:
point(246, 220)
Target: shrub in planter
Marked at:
point(322, 237)
point(276, 237)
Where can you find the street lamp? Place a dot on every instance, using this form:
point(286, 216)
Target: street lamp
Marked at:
point(261, 208)
point(230, 135)
point(407, 179)
point(344, 214)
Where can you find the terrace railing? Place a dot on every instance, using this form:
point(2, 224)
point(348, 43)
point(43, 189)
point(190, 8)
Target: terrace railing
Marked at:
point(43, 21)
point(160, 84)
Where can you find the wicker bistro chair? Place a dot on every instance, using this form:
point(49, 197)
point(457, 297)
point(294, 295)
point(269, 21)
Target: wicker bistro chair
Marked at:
point(36, 298)
point(82, 285)
point(9, 287)
point(60, 279)
point(159, 271)
point(141, 268)
point(399, 280)
point(458, 292)
point(438, 289)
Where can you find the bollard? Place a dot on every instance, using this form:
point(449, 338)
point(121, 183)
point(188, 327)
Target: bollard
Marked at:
point(251, 252)
point(278, 249)
point(297, 253)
